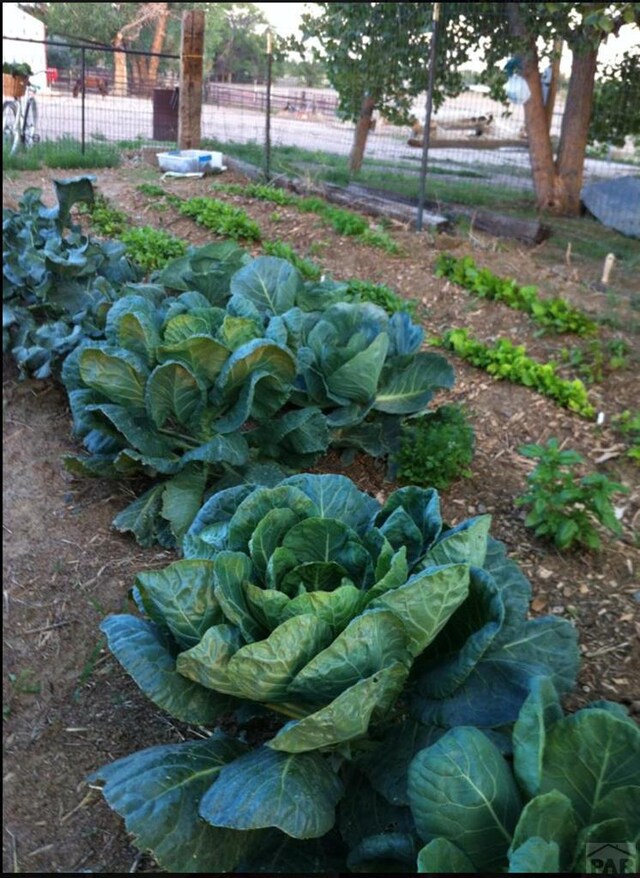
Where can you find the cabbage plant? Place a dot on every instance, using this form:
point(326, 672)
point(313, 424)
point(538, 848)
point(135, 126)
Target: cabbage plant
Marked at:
point(249, 376)
point(571, 787)
point(336, 638)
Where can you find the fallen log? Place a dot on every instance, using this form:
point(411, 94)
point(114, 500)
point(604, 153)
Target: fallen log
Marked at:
point(380, 202)
point(468, 143)
point(363, 201)
point(500, 225)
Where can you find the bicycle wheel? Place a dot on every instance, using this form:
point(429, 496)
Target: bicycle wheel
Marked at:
point(29, 136)
point(10, 131)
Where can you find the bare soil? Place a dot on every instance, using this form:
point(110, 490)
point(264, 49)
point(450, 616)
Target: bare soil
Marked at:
point(69, 708)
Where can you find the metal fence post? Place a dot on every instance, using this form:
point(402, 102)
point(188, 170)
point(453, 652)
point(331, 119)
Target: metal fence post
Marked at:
point(427, 120)
point(267, 134)
point(82, 104)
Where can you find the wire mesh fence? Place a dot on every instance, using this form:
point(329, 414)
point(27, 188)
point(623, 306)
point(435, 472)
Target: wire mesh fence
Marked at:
point(477, 144)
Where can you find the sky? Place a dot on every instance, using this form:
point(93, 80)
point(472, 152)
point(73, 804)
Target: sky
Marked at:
point(284, 17)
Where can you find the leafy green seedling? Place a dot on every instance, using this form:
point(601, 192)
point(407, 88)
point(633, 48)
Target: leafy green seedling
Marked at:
point(563, 507)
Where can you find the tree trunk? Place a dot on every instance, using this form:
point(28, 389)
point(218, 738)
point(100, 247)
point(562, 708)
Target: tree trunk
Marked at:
point(157, 45)
point(557, 183)
point(553, 85)
point(362, 132)
point(575, 129)
point(540, 147)
point(136, 74)
point(120, 82)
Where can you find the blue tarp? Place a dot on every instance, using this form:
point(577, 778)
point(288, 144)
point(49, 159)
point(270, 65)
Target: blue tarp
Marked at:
point(616, 203)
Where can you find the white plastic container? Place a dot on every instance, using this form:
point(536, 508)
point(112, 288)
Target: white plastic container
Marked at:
point(190, 161)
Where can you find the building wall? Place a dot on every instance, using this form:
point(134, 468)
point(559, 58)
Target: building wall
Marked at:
point(17, 23)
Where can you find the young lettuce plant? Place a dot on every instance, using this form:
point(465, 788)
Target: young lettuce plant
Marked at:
point(572, 786)
point(346, 636)
point(199, 394)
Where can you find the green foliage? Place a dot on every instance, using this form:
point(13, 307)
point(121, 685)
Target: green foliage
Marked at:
point(563, 506)
point(343, 222)
point(594, 359)
point(309, 270)
point(106, 219)
point(350, 635)
point(223, 219)
point(151, 248)
point(15, 68)
point(506, 360)
point(247, 365)
point(616, 101)
point(381, 295)
point(436, 448)
point(152, 190)
point(57, 286)
point(63, 153)
point(555, 314)
point(349, 224)
point(574, 781)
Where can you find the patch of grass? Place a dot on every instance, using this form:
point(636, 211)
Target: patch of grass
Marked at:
point(63, 153)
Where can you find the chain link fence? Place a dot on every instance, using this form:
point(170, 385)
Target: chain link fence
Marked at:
point(476, 144)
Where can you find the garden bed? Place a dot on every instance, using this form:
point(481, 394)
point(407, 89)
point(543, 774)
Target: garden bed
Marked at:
point(68, 706)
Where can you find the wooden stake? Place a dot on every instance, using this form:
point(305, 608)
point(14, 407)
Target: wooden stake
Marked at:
point(190, 112)
point(609, 262)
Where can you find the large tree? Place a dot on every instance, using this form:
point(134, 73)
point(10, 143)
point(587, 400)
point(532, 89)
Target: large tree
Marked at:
point(234, 38)
point(376, 56)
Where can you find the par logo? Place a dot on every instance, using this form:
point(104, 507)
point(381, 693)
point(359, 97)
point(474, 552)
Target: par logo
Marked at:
point(611, 859)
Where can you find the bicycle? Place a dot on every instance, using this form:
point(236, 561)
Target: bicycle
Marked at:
point(20, 116)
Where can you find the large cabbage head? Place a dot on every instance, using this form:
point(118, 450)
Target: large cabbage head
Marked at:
point(320, 603)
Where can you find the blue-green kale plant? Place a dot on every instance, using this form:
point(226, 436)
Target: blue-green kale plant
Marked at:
point(245, 373)
point(322, 640)
point(58, 284)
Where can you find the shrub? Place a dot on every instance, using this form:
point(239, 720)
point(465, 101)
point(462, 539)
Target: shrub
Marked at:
point(436, 448)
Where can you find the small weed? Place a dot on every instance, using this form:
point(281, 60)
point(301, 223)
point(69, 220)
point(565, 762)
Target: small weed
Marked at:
point(89, 666)
point(25, 682)
point(628, 424)
point(563, 507)
point(594, 360)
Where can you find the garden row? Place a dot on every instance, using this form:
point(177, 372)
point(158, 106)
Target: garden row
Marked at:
point(403, 709)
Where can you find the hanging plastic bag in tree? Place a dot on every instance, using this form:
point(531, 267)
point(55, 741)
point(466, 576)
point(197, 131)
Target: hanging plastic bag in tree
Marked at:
point(517, 89)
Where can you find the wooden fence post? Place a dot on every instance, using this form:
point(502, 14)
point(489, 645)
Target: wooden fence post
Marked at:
point(190, 113)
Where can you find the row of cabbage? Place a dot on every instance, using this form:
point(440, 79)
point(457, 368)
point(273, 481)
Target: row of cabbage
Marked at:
point(371, 691)
point(223, 369)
